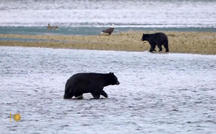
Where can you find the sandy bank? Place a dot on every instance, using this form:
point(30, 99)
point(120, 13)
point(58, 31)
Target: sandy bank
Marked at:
point(179, 42)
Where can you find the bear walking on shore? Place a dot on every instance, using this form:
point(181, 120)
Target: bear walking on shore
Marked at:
point(158, 39)
point(93, 83)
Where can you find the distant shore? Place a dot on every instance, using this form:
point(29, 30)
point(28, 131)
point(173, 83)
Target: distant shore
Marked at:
point(179, 42)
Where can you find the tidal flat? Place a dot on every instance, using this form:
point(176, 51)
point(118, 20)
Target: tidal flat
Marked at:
point(159, 93)
point(179, 42)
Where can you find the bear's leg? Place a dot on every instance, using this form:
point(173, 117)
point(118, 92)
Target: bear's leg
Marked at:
point(160, 47)
point(68, 93)
point(79, 96)
point(152, 47)
point(96, 95)
point(166, 46)
point(104, 94)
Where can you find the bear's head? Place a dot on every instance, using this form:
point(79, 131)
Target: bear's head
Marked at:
point(145, 37)
point(113, 80)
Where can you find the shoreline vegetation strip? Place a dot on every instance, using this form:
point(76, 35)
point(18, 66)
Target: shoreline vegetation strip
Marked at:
point(179, 42)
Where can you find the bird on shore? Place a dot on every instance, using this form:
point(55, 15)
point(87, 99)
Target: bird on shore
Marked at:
point(109, 30)
point(49, 27)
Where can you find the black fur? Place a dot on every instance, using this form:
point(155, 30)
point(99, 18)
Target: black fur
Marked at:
point(92, 83)
point(158, 39)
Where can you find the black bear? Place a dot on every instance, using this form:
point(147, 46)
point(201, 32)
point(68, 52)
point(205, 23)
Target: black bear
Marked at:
point(158, 39)
point(92, 83)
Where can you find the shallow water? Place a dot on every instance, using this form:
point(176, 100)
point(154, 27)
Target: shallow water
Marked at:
point(90, 17)
point(141, 13)
point(159, 93)
point(89, 30)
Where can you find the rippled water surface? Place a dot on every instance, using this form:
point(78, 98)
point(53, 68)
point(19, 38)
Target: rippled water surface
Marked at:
point(87, 17)
point(135, 13)
point(159, 93)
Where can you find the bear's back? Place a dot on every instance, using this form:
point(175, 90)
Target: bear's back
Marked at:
point(86, 78)
point(160, 35)
point(157, 37)
point(87, 75)
point(89, 79)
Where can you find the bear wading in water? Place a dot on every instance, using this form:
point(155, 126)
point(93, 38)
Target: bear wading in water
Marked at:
point(93, 83)
point(158, 39)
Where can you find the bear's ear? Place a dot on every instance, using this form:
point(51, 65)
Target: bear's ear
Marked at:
point(111, 73)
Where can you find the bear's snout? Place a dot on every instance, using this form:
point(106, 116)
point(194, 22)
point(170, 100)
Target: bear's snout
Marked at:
point(117, 83)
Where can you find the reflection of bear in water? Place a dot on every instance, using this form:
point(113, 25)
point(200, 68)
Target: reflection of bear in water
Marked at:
point(89, 83)
point(158, 39)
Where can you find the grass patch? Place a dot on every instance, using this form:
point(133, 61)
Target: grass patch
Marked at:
point(179, 42)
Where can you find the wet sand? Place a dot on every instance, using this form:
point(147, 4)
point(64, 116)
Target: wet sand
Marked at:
point(179, 42)
point(158, 93)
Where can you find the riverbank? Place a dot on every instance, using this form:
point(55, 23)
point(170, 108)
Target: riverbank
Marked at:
point(179, 42)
